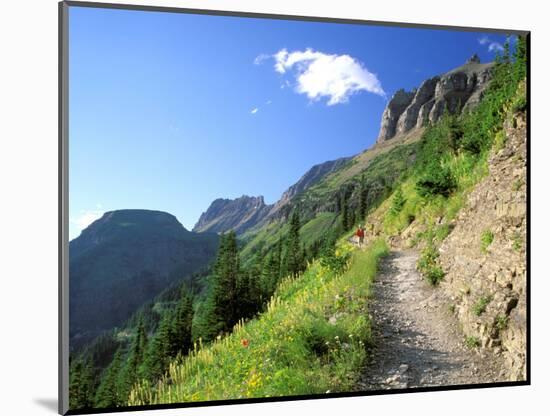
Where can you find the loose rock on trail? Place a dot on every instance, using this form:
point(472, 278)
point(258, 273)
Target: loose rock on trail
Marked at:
point(416, 340)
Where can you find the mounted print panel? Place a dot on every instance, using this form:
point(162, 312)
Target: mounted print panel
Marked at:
point(264, 208)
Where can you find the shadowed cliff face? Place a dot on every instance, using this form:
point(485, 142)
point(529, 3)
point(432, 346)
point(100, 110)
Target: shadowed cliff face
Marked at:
point(126, 258)
point(456, 91)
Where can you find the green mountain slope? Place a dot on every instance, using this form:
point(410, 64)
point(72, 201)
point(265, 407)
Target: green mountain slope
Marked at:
point(124, 259)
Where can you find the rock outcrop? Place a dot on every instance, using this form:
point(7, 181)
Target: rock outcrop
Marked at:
point(484, 257)
point(390, 117)
point(457, 90)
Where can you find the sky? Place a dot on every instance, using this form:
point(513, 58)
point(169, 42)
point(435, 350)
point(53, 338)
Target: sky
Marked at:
point(171, 111)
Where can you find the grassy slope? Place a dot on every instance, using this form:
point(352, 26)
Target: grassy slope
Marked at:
point(310, 340)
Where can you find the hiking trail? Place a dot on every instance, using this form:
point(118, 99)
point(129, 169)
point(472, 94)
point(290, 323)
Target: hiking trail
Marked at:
point(416, 340)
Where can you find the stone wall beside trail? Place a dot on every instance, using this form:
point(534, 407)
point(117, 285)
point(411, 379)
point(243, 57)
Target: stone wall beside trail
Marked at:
point(484, 257)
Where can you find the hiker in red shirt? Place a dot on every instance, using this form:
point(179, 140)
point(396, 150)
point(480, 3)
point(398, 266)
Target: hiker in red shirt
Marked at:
point(361, 234)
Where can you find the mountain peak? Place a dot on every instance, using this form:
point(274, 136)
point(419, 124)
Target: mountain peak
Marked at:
point(130, 254)
point(474, 59)
point(456, 90)
point(237, 214)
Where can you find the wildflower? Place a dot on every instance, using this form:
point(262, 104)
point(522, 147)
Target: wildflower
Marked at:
point(245, 342)
point(336, 337)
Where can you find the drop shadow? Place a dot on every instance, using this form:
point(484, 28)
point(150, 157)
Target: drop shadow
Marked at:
point(48, 404)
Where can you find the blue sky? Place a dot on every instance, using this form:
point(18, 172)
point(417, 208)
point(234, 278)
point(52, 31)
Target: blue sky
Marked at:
point(171, 111)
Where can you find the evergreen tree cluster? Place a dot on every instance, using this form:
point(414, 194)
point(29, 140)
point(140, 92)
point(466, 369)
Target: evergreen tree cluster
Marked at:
point(146, 358)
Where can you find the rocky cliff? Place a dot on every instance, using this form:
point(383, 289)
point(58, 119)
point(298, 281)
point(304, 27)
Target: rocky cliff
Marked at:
point(484, 257)
point(238, 214)
point(456, 91)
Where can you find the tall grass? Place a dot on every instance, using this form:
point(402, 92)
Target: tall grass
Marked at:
point(310, 340)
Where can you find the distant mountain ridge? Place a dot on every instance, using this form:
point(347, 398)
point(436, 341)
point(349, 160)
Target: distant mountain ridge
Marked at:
point(247, 212)
point(126, 258)
point(238, 214)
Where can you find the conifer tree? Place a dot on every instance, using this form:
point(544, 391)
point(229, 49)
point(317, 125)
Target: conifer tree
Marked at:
point(222, 303)
point(362, 198)
point(293, 256)
point(108, 391)
point(182, 324)
point(271, 272)
point(159, 349)
point(81, 384)
point(344, 214)
point(132, 372)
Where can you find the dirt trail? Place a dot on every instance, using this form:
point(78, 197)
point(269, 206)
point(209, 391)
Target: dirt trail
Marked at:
point(417, 342)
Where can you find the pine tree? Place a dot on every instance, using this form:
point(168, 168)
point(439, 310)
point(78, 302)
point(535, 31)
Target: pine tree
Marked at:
point(81, 385)
point(158, 353)
point(520, 58)
point(363, 198)
point(271, 272)
point(293, 256)
point(182, 324)
point(344, 214)
point(131, 372)
point(108, 394)
point(222, 303)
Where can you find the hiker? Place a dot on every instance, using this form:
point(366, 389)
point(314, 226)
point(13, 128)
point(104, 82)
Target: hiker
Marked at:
point(361, 234)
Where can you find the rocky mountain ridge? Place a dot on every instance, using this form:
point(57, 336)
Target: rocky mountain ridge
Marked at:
point(456, 91)
point(246, 212)
point(238, 214)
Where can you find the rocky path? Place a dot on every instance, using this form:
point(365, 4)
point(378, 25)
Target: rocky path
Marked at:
point(417, 342)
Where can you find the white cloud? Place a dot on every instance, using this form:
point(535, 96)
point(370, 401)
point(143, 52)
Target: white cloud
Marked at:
point(495, 46)
point(83, 220)
point(320, 75)
point(492, 46)
point(484, 40)
point(260, 58)
point(254, 111)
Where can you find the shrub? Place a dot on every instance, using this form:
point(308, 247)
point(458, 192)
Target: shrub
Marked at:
point(429, 267)
point(500, 140)
point(501, 322)
point(398, 202)
point(517, 244)
point(436, 180)
point(442, 231)
point(481, 305)
point(329, 258)
point(487, 238)
point(517, 185)
point(519, 103)
point(472, 342)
